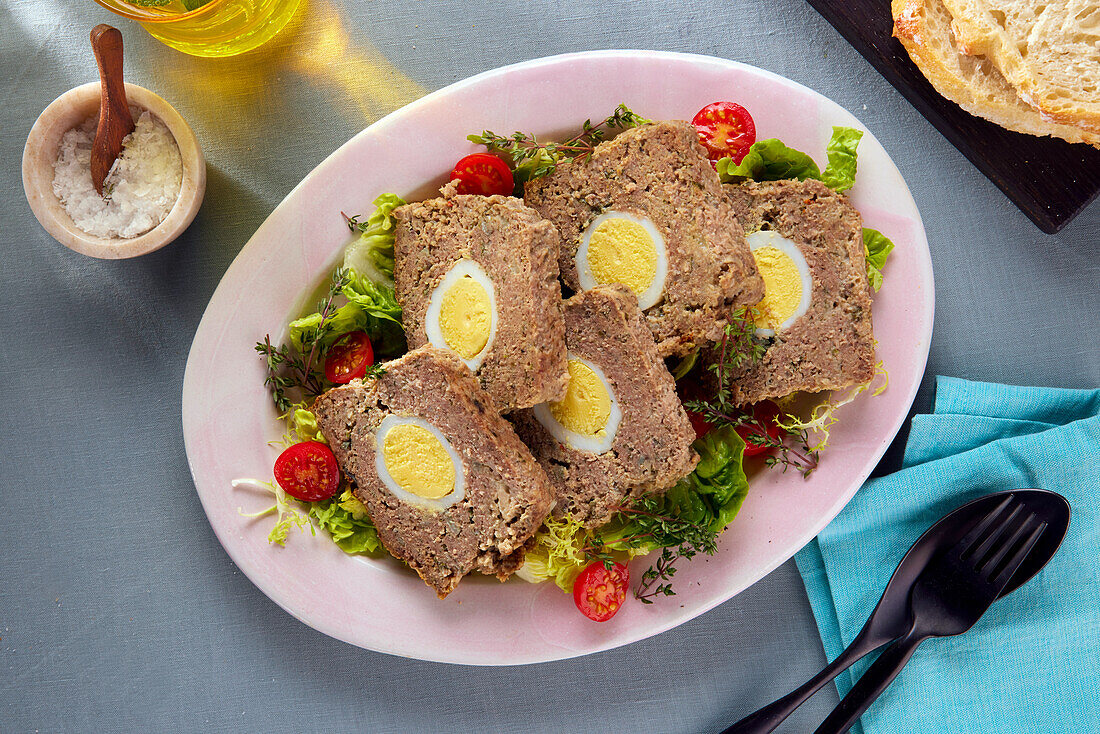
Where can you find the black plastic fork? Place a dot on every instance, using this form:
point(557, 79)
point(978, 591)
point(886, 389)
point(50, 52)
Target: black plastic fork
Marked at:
point(949, 598)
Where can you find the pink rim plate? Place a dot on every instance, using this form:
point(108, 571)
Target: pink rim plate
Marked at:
point(228, 417)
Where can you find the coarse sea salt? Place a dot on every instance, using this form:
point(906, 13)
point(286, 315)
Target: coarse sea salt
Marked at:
point(140, 189)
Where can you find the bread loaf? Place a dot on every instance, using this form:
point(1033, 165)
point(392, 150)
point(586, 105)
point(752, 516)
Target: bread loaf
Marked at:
point(1048, 51)
point(972, 82)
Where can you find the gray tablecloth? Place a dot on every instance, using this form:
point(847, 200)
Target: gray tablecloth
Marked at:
point(119, 610)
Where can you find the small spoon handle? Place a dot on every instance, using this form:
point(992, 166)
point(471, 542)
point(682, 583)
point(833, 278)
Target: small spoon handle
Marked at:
point(877, 678)
point(115, 121)
point(771, 716)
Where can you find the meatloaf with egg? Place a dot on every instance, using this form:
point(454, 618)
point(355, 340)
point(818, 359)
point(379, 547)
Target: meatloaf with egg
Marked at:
point(522, 362)
point(650, 449)
point(831, 345)
point(506, 494)
point(658, 172)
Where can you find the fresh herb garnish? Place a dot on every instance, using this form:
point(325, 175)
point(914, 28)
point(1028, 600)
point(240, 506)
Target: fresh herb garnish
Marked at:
point(645, 525)
point(531, 158)
point(290, 368)
point(738, 348)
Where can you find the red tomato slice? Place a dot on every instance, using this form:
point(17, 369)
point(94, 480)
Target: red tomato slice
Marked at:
point(690, 388)
point(483, 174)
point(599, 592)
point(725, 129)
point(308, 471)
point(766, 412)
point(349, 358)
point(701, 425)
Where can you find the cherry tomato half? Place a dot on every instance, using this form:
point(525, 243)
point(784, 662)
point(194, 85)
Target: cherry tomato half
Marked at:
point(599, 592)
point(766, 412)
point(690, 388)
point(349, 358)
point(701, 425)
point(308, 471)
point(483, 174)
point(725, 129)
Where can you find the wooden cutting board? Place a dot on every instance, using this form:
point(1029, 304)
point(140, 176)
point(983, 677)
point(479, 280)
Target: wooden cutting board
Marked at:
point(1050, 180)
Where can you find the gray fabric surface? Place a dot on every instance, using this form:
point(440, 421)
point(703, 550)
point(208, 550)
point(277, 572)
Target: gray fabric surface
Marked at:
point(119, 611)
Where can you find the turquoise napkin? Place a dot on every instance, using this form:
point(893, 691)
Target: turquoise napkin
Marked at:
point(1033, 662)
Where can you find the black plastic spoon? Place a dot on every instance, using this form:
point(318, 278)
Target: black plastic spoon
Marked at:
point(891, 620)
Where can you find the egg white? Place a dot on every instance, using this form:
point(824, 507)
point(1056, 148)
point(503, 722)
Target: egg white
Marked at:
point(459, 270)
point(771, 238)
point(424, 503)
point(653, 294)
point(591, 444)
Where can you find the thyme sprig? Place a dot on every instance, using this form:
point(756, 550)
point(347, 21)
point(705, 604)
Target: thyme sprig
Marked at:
point(540, 158)
point(652, 527)
point(738, 348)
point(290, 369)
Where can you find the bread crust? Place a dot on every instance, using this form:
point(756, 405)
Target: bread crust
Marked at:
point(1043, 49)
point(972, 82)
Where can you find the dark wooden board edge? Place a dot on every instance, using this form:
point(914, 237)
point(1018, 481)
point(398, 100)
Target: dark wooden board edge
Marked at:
point(1050, 180)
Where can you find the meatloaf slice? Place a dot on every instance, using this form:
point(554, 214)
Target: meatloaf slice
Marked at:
point(659, 172)
point(831, 345)
point(523, 364)
point(651, 449)
point(506, 493)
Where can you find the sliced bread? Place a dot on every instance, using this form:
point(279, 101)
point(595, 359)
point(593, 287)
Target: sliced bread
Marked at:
point(1048, 51)
point(972, 82)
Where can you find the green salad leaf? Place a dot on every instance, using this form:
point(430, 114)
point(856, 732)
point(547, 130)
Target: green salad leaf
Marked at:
point(876, 246)
point(366, 287)
point(287, 516)
point(371, 256)
point(558, 554)
point(768, 160)
point(840, 173)
point(346, 520)
point(302, 425)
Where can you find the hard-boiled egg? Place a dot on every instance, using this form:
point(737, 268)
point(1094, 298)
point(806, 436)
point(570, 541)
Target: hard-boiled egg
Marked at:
point(617, 247)
point(787, 282)
point(588, 417)
point(417, 463)
point(462, 313)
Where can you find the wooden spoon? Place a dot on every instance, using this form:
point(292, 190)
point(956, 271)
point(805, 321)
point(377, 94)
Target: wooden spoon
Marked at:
point(115, 121)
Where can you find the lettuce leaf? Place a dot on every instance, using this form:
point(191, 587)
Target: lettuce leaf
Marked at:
point(370, 304)
point(371, 256)
point(771, 160)
point(710, 497)
point(286, 516)
point(840, 174)
point(558, 554)
point(768, 160)
point(347, 522)
point(876, 246)
point(301, 425)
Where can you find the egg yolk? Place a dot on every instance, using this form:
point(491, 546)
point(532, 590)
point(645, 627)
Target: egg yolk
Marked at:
point(622, 251)
point(782, 287)
point(465, 317)
point(418, 462)
point(586, 405)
